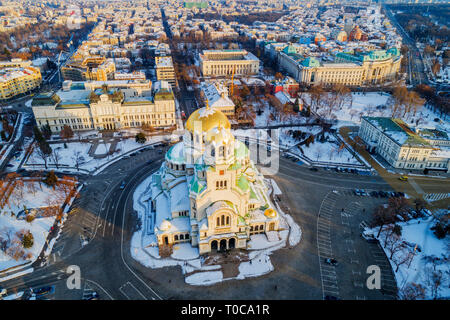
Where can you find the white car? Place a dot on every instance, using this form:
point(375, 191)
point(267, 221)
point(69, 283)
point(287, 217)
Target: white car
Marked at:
point(2, 292)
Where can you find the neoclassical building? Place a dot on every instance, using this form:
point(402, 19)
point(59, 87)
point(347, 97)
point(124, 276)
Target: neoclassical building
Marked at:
point(350, 69)
point(224, 62)
point(108, 106)
point(208, 192)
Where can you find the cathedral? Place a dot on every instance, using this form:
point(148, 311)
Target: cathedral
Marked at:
point(208, 192)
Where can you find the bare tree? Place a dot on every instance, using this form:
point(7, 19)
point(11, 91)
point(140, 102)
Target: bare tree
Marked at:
point(434, 280)
point(413, 291)
point(56, 157)
point(382, 216)
point(77, 158)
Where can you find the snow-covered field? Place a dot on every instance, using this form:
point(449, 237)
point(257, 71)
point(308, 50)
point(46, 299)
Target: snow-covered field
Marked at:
point(39, 227)
point(418, 232)
point(144, 248)
point(376, 104)
point(68, 155)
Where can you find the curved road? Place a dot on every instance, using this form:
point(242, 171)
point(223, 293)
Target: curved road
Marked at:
point(108, 268)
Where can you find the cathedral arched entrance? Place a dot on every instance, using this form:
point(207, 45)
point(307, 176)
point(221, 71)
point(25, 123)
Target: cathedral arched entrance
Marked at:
point(223, 245)
point(272, 226)
point(214, 245)
point(231, 243)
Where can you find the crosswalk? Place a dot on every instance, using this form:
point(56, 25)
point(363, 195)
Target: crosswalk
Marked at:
point(327, 272)
point(436, 196)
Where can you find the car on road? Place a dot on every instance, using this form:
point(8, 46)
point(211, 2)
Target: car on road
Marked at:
point(2, 292)
point(44, 291)
point(369, 237)
point(122, 185)
point(314, 169)
point(92, 296)
point(331, 261)
point(403, 178)
point(331, 298)
point(9, 165)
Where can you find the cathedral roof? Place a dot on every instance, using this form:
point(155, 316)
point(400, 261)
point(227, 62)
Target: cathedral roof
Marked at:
point(209, 117)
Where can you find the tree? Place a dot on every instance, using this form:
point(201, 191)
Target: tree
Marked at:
point(46, 131)
point(434, 280)
point(27, 240)
point(382, 216)
point(66, 132)
point(56, 157)
point(413, 291)
point(51, 179)
point(77, 158)
point(44, 151)
point(279, 76)
point(37, 134)
point(436, 67)
point(316, 95)
point(140, 138)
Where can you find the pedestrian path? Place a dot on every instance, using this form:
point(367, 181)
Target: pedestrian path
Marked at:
point(436, 196)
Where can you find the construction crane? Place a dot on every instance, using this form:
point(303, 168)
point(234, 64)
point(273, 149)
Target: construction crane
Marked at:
point(232, 82)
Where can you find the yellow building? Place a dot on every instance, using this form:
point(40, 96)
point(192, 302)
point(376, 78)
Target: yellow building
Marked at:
point(165, 70)
point(17, 77)
point(93, 68)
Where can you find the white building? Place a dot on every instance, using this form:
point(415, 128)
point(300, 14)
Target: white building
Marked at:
point(400, 146)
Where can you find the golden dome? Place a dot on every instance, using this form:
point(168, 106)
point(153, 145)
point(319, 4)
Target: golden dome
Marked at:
point(219, 135)
point(209, 117)
point(270, 213)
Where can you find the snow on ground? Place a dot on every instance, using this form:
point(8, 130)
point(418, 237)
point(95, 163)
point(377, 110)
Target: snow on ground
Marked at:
point(68, 155)
point(204, 278)
point(42, 196)
point(418, 232)
point(376, 104)
point(255, 268)
point(144, 247)
point(39, 227)
point(184, 251)
point(102, 148)
point(328, 152)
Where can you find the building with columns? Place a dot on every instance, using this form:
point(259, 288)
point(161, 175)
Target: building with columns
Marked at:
point(403, 148)
point(114, 105)
point(350, 69)
point(208, 192)
point(222, 63)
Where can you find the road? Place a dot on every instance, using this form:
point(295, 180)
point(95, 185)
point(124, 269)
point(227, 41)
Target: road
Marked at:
point(105, 219)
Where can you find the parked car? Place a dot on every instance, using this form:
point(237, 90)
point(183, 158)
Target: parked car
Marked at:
point(403, 178)
point(331, 298)
point(44, 291)
point(3, 292)
point(331, 261)
point(92, 296)
point(122, 185)
point(314, 169)
point(374, 194)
